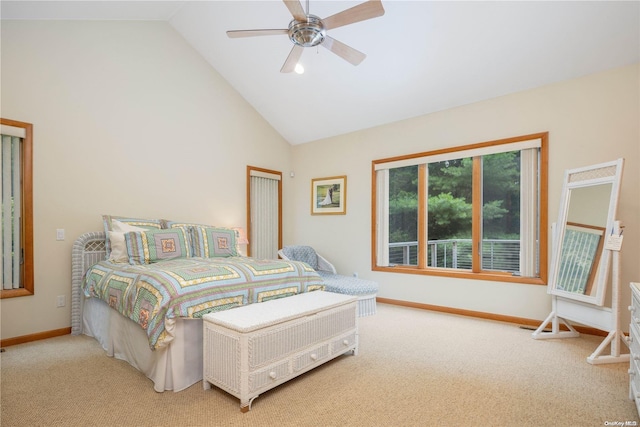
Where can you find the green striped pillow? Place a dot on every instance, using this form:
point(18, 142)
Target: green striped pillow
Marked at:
point(212, 242)
point(146, 247)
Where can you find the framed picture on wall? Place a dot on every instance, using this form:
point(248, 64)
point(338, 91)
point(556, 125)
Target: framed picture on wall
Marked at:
point(329, 196)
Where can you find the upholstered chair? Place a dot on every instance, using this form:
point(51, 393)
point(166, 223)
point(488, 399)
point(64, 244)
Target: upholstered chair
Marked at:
point(365, 290)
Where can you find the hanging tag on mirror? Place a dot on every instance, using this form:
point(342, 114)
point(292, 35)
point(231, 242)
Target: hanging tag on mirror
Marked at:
point(614, 242)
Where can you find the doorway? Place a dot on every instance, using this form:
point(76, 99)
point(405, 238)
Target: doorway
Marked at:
point(264, 212)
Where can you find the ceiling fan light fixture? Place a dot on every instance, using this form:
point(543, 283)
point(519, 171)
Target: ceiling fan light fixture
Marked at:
point(307, 33)
point(306, 30)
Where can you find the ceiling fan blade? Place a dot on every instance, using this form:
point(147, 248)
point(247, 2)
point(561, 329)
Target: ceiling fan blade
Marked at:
point(254, 33)
point(362, 12)
point(296, 9)
point(292, 59)
point(347, 53)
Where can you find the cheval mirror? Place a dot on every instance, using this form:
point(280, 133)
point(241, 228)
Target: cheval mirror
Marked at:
point(580, 262)
point(587, 240)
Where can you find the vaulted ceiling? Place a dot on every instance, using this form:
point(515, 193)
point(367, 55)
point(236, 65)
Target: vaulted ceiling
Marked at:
point(422, 56)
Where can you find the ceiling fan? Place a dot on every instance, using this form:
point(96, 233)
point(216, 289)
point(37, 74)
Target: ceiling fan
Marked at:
point(306, 30)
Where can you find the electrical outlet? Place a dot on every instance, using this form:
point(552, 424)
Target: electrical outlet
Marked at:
point(60, 234)
point(60, 301)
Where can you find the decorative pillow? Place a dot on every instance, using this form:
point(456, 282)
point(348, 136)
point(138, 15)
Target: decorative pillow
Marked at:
point(175, 224)
point(146, 224)
point(146, 247)
point(211, 242)
point(116, 239)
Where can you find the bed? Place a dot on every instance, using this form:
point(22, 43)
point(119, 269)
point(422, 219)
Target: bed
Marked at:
point(158, 330)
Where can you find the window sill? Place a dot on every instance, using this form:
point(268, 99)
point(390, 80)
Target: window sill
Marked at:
point(462, 274)
point(12, 293)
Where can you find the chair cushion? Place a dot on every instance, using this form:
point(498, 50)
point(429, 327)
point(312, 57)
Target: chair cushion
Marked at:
point(302, 253)
point(347, 284)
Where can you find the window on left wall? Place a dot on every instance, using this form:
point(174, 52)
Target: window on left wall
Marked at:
point(16, 251)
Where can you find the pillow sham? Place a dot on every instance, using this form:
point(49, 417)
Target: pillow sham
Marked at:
point(146, 247)
point(116, 240)
point(211, 242)
point(175, 224)
point(107, 221)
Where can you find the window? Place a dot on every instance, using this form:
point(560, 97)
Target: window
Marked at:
point(477, 211)
point(16, 251)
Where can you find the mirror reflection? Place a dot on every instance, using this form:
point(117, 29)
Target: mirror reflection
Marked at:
point(581, 248)
point(589, 205)
point(583, 239)
point(579, 269)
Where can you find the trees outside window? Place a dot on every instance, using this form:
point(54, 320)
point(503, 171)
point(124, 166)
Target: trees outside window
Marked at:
point(461, 211)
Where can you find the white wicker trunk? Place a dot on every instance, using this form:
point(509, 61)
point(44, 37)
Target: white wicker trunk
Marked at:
point(251, 349)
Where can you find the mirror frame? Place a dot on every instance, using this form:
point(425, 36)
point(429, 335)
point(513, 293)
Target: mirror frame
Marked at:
point(589, 176)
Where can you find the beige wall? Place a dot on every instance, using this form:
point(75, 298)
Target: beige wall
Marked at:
point(128, 120)
point(590, 120)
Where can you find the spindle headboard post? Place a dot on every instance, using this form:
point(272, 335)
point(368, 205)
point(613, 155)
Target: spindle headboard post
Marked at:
point(88, 249)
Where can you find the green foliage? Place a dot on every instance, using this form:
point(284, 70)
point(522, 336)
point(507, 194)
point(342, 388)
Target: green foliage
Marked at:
point(403, 204)
point(453, 177)
point(450, 199)
point(501, 194)
point(493, 209)
point(449, 217)
point(403, 215)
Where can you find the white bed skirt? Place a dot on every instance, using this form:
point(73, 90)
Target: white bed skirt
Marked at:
point(174, 367)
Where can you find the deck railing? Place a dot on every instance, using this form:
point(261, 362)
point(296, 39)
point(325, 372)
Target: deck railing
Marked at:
point(497, 254)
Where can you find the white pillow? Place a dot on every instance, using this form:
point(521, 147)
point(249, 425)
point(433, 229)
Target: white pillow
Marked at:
point(116, 239)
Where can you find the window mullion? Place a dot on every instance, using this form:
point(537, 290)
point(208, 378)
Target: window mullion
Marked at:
point(422, 215)
point(476, 213)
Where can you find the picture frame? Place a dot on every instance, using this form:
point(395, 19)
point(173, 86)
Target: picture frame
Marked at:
point(329, 195)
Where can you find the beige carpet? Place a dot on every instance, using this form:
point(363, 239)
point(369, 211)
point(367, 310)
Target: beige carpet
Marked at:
point(415, 368)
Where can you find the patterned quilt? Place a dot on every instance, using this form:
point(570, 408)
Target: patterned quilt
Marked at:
point(155, 295)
